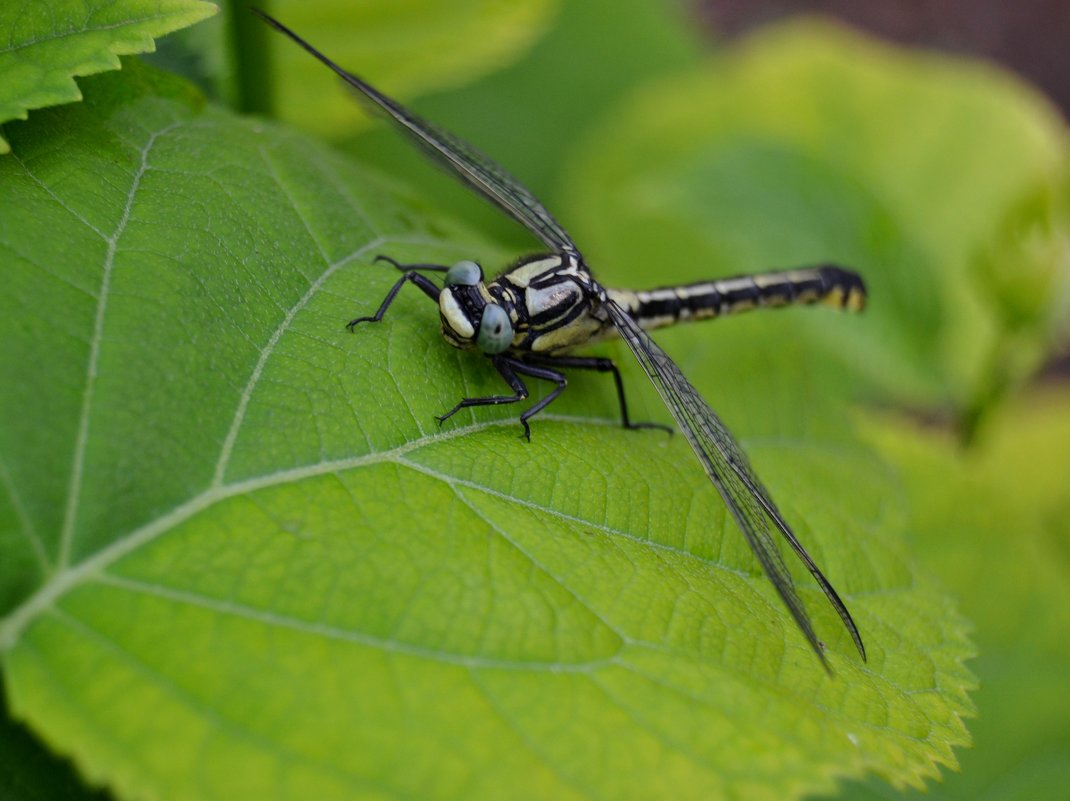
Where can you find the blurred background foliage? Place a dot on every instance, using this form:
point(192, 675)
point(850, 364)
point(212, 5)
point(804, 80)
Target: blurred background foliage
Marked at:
point(666, 133)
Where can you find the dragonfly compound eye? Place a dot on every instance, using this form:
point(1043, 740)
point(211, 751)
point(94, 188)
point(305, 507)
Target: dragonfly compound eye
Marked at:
point(495, 329)
point(464, 273)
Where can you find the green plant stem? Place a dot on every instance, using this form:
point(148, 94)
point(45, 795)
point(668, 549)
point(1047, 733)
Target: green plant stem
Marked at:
point(247, 38)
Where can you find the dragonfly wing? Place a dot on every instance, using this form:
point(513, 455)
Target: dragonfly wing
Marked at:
point(730, 471)
point(475, 169)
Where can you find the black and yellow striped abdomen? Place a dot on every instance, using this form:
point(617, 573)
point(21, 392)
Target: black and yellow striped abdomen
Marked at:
point(827, 285)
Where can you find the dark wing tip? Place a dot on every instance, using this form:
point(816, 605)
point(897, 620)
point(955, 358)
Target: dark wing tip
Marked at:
point(826, 586)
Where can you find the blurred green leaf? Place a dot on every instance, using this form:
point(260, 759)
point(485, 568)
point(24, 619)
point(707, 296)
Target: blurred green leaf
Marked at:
point(993, 523)
point(245, 561)
point(530, 113)
point(202, 54)
point(46, 44)
point(404, 48)
point(938, 179)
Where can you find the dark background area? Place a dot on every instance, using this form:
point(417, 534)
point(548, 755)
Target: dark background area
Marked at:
point(1031, 37)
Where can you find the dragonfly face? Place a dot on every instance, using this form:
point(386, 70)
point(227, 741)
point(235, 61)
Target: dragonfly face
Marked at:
point(471, 317)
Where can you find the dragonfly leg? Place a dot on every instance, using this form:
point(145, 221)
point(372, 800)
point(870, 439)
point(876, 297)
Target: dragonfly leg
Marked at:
point(406, 268)
point(508, 369)
point(427, 286)
point(520, 391)
point(602, 366)
point(546, 374)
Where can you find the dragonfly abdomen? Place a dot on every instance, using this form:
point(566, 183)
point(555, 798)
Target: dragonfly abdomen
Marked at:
point(827, 285)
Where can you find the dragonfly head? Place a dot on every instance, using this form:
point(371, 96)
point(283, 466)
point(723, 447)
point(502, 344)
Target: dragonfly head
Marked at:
point(471, 317)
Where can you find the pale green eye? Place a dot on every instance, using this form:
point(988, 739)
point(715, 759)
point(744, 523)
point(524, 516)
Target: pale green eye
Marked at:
point(495, 330)
point(464, 273)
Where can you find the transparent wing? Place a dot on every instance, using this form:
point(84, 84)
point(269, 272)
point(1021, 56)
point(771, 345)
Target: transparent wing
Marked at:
point(728, 469)
point(455, 155)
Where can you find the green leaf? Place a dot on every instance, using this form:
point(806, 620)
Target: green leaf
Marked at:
point(993, 523)
point(938, 179)
point(47, 44)
point(410, 48)
point(242, 560)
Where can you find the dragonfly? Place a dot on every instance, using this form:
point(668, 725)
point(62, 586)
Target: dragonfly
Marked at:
point(529, 320)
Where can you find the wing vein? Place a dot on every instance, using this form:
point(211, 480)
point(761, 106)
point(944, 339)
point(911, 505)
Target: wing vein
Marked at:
point(730, 472)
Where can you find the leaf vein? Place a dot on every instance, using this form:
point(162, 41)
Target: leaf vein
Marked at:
point(68, 577)
point(265, 353)
point(210, 713)
point(528, 743)
point(589, 524)
point(318, 629)
point(59, 201)
point(25, 523)
point(82, 438)
point(541, 567)
point(73, 32)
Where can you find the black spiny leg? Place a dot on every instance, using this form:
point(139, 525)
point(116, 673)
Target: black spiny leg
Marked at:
point(406, 268)
point(410, 274)
point(508, 368)
point(546, 374)
point(602, 366)
point(504, 366)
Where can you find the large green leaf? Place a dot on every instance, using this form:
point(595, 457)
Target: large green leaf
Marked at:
point(46, 44)
point(939, 180)
point(241, 559)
